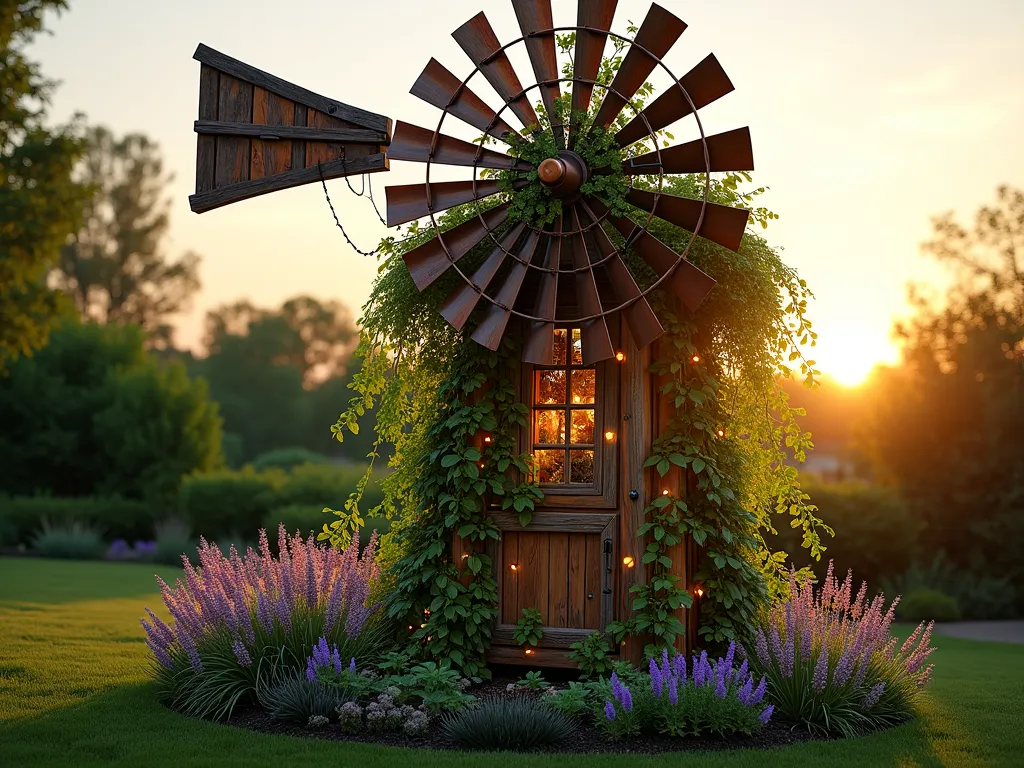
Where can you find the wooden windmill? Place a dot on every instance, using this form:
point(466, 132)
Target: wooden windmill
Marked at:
point(588, 328)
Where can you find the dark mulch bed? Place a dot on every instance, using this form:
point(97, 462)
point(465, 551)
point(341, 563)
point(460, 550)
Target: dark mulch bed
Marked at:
point(586, 739)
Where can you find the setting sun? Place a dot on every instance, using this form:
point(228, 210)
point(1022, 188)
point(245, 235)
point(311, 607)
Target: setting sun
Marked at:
point(853, 354)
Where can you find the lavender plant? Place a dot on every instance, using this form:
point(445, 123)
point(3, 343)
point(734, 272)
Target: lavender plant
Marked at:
point(832, 663)
point(673, 699)
point(242, 624)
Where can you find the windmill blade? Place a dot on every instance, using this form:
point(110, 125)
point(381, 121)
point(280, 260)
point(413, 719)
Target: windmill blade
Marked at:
point(687, 281)
point(429, 261)
point(407, 202)
point(492, 326)
point(705, 83)
point(480, 43)
point(721, 224)
point(597, 341)
point(729, 151)
point(413, 143)
point(535, 16)
point(643, 324)
point(657, 34)
point(439, 87)
point(539, 348)
point(596, 16)
point(460, 303)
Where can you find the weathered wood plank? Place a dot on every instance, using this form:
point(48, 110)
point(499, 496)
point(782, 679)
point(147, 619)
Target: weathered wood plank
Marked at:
point(577, 581)
point(234, 104)
point(510, 578)
point(238, 69)
point(285, 131)
point(634, 448)
point(558, 581)
point(206, 146)
point(299, 147)
point(592, 567)
point(554, 637)
point(543, 520)
point(541, 657)
point(207, 201)
point(269, 157)
point(533, 572)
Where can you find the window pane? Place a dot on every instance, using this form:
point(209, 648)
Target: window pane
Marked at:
point(551, 427)
point(582, 432)
point(581, 467)
point(550, 387)
point(561, 342)
point(577, 347)
point(583, 386)
point(552, 466)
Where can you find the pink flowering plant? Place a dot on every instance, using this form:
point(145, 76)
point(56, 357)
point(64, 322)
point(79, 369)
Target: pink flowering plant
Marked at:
point(679, 698)
point(832, 663)
point(242, 623)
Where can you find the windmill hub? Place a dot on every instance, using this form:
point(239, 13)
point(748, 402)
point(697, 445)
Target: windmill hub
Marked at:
point(563, 175)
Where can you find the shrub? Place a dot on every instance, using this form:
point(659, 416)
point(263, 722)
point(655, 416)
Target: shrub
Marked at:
point(719, 698)
point(592, 655)
point(288, 458)
point(243, 623)
point(72, 542)
point(507, 724)
point(831, 663)
point(924, 604)
point(574, 701)
point(435, 685)
point(296, 699)
point(114, 517)
point(222, 504)
point(978, 596)
point(173, 541)
point(120, 549)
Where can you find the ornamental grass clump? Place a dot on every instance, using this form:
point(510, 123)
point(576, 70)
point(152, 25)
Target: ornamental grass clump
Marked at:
point(832, 664)
point(243, 624)
point(677, 699)
point(507, 724)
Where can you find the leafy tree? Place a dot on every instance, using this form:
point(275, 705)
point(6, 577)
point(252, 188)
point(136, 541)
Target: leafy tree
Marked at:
point(115, 268)
point(280, 374)
point(946, 425)
point(40, 203)
point(94, 414)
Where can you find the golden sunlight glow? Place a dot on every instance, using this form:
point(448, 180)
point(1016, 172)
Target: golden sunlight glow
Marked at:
point(855, 354)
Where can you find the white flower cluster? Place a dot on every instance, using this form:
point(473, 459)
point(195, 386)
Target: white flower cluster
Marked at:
point(317, 721)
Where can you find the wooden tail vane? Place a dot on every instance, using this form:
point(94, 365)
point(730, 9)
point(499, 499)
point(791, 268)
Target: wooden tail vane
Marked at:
point(258, 133)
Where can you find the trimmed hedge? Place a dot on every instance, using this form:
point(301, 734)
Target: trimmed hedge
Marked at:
point(22, 518)
point(288, 458)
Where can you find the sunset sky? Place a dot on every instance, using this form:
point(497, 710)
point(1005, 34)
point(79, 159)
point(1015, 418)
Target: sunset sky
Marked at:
point(867, 119)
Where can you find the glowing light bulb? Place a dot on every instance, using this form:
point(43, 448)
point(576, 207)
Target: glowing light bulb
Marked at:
point(609, 435)
point(513, 567)
point(628, 561)
point(619, 356)
point(700, 591)
point(487, 439)
point(665, 492)
point(529, 651)
point(575, 398)
point(696, 358)
point(721, 433)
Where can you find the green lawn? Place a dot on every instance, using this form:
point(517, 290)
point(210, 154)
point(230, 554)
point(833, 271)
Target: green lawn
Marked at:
point(74, 691)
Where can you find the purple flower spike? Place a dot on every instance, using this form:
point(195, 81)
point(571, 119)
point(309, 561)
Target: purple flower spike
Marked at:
point(627, 699)
point(352, 665)
point(720, 688)
point(241, 653)
point(336, 660)
point(609, 710)
point(821, 670)
point(730, 655)
point(765, 716)
point(873, 695)
point(673, 691)
point(310, 670)
point(746, 692)
point(657, 683)
point(758, 694)
point(679, 667)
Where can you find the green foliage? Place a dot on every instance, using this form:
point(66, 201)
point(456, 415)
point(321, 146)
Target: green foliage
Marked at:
point(978, 595)
point(507, 724)
point(924, 604)
point(173, 539)
point(574, 701)
point(287, 459)
point(592, 655)
point(294, 699)
point(534, 681)
point(878, 531)
point(40, 201)
point(310, 520)
point(225, 503)
point(435, 685)
point(71, 542)
point(113, 518)
point(528, 628)
point(93, 414)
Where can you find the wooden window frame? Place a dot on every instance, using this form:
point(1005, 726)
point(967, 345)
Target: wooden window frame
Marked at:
point(603, 493)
